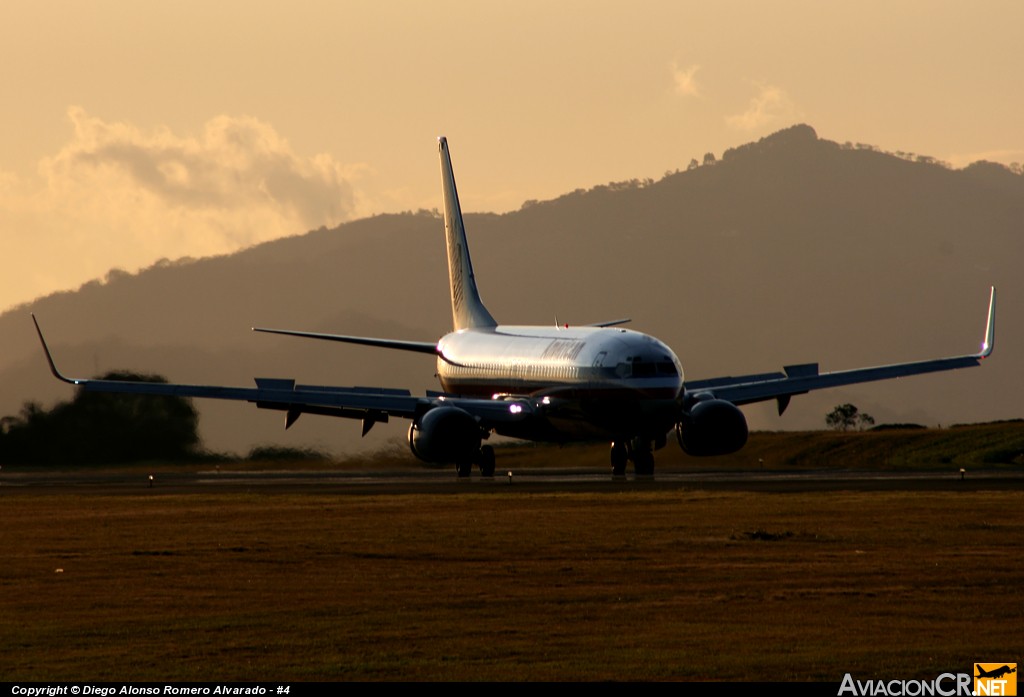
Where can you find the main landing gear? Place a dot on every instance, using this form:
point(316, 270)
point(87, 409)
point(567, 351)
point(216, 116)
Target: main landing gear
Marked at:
point(484, 460)
point(639, 450)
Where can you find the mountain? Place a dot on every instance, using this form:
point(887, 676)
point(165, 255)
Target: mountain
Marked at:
point(790, 249)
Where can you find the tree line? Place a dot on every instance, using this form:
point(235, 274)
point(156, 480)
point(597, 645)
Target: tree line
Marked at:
point(99, 427)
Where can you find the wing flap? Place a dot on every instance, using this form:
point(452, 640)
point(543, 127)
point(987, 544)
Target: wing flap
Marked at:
point(276, 393)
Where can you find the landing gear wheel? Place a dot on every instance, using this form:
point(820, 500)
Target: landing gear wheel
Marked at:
point(619, 457)
point(643, 463)
point(463, 469)
point(486, 461)
point(643, 458)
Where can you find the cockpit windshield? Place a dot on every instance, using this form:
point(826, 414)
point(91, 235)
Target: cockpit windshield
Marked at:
point(640, 368)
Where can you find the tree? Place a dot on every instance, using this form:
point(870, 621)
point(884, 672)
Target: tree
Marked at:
point(97, 427)
point(846, 416)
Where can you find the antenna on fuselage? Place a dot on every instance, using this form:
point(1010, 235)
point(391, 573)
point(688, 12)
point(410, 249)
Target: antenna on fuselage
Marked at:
point(468, 311)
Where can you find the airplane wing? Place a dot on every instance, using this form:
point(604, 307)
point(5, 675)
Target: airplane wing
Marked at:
point(800, 379)
point(371, 405)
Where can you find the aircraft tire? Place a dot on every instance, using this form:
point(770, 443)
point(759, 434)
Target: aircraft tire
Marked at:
point(643, 465)
point(643, 458)
point(619, 458)
point(486, 461)
point(463, 469)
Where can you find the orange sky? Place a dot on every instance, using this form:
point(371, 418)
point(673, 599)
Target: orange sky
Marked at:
point(136, 131)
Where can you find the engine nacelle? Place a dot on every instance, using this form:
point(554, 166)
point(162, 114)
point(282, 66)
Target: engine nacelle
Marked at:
point(712, 427)
point(445, 435)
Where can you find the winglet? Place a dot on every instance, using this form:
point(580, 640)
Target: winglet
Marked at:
point(990, 328)
point(49, 356)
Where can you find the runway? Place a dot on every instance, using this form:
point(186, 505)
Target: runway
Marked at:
point(526, 480)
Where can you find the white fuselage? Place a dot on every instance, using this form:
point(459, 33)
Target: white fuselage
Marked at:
point(616, 377)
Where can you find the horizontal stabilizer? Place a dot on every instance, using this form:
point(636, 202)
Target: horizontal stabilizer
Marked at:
point(415, 346)
point(611, 323)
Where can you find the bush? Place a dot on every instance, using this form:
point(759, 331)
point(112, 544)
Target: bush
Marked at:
point(102, 427)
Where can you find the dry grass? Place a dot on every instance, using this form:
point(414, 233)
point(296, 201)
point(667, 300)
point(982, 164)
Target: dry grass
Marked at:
point(492, 583)
point(971, 446)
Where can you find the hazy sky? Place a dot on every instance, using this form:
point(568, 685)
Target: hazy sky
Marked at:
point(141, 130)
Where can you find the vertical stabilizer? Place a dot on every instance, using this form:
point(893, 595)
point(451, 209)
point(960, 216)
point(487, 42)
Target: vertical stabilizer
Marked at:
point(467, 309)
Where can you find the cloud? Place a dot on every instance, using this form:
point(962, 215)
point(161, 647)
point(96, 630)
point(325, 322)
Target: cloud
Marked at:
point(116, 195)
point(770, 106)
point(235, 165)
point(685, 80)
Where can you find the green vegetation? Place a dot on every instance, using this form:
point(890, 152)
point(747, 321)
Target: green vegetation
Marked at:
point(99, 427)
point(907, 447)
point(846, 417)
point(913, 448)
point(884, 447)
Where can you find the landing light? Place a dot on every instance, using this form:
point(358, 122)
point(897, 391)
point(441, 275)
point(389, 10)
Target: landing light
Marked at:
point(515, 408)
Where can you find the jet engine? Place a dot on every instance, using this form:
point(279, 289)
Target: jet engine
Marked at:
point(445, 435)
point(712, 427)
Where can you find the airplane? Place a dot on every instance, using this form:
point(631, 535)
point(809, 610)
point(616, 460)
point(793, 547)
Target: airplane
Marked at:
point(541, 383)
point(995, 672)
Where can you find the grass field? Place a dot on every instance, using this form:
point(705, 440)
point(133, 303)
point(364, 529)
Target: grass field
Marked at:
point(620, 582)
point(935, 449)
point(626, 584)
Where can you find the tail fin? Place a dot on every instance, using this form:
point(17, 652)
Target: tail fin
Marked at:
point(468, 310)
